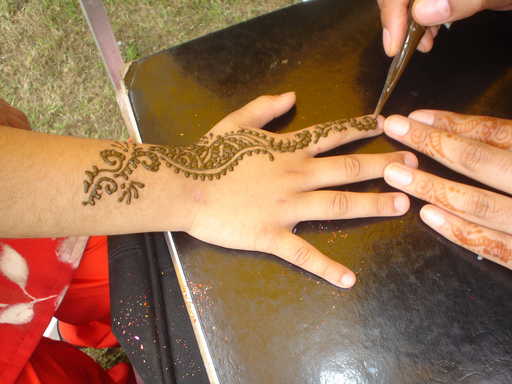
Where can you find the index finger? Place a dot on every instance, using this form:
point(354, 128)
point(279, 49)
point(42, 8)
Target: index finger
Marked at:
point(487, 129)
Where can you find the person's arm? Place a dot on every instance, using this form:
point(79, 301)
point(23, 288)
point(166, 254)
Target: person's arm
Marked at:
point(479, 147)
point(238, 187)
point(431, 13)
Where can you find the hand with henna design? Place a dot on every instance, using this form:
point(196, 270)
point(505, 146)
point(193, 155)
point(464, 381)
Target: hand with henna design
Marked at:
point(256, 205)
point(238, 187)
point(479, 147)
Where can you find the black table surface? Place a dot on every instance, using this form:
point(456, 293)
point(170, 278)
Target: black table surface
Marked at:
point(423, 310)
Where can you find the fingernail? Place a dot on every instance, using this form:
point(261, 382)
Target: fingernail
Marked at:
point(398, 175)
point(287, 94)
point(386, 40)
point(401, 204)
point(397, 125)
point(432, 11)
point(432, 217)
point(422, 117)
point(347, 280)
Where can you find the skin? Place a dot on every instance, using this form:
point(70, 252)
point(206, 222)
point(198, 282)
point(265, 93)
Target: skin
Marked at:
point(479, 147)
point(430, 13)
point(209, 159)
point(253, 206)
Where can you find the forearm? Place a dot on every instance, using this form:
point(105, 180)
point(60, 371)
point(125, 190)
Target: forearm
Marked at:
point(46, 191)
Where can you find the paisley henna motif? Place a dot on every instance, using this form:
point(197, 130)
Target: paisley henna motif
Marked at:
point(212, 157)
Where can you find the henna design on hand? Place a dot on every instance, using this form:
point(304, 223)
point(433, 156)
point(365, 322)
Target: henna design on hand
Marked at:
point(436, 193)
point(472, 237)
point(489, 130)
point(428, 142)
point(212, 157)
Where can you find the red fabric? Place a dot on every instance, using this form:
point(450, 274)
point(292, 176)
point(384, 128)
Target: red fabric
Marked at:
point(89, 323)
point(56, 362)
point(36, 273)
point(32, 278)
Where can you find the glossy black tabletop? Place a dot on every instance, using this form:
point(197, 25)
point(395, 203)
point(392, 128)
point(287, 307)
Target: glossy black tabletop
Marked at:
point(423, 310)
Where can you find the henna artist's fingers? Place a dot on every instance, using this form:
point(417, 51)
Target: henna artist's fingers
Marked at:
point(426, 42)
point(299, 252)
point(393, 16)
point(339, 170)
point(477, 205)
point(435, 30)
point(261, 111)
point(433, 12)
point(480, 161)
point(326, 136)
point(493, 245)
point(336, 205)
point(490, 130)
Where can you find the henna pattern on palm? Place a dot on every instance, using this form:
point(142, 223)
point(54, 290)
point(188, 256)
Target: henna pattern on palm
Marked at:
point(473, 237)
point(211, 158)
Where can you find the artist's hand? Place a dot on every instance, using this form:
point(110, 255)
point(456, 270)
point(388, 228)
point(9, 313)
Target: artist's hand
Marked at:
point(12, 117)
point(477, 146)
point(431, 13)
point(257, 204)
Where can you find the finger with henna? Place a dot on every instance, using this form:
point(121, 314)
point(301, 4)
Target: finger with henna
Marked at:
point(485, 163)
point(480, 206)
point(486, 129)
point(490, 244)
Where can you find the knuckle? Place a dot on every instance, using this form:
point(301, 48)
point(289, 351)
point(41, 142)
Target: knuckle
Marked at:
point(339, 204)
point(324, 270)
point(351, 166)
point(505, 166)
point(383, 205)
point(480, 205)
point(302, 256)
point(471, 156)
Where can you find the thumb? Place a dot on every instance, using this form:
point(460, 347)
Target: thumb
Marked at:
point(434, 12)
point(262, 110)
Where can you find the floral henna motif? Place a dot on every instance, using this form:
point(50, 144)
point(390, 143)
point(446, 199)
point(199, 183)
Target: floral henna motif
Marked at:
point(212, 157)
point(489, 130)
point(474, 238)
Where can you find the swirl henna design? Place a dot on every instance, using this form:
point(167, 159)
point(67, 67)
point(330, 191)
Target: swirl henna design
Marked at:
point(473, 237)
point(211, 158)
point(436, 193)
point(489, 130)
point(428, 142)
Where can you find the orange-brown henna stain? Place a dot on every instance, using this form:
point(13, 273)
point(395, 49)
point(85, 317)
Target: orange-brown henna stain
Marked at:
point(489, 130)
point(472, 237)
point(427, 141)
point(436, 193)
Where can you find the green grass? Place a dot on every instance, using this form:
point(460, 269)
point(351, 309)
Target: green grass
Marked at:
point(50, 68)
